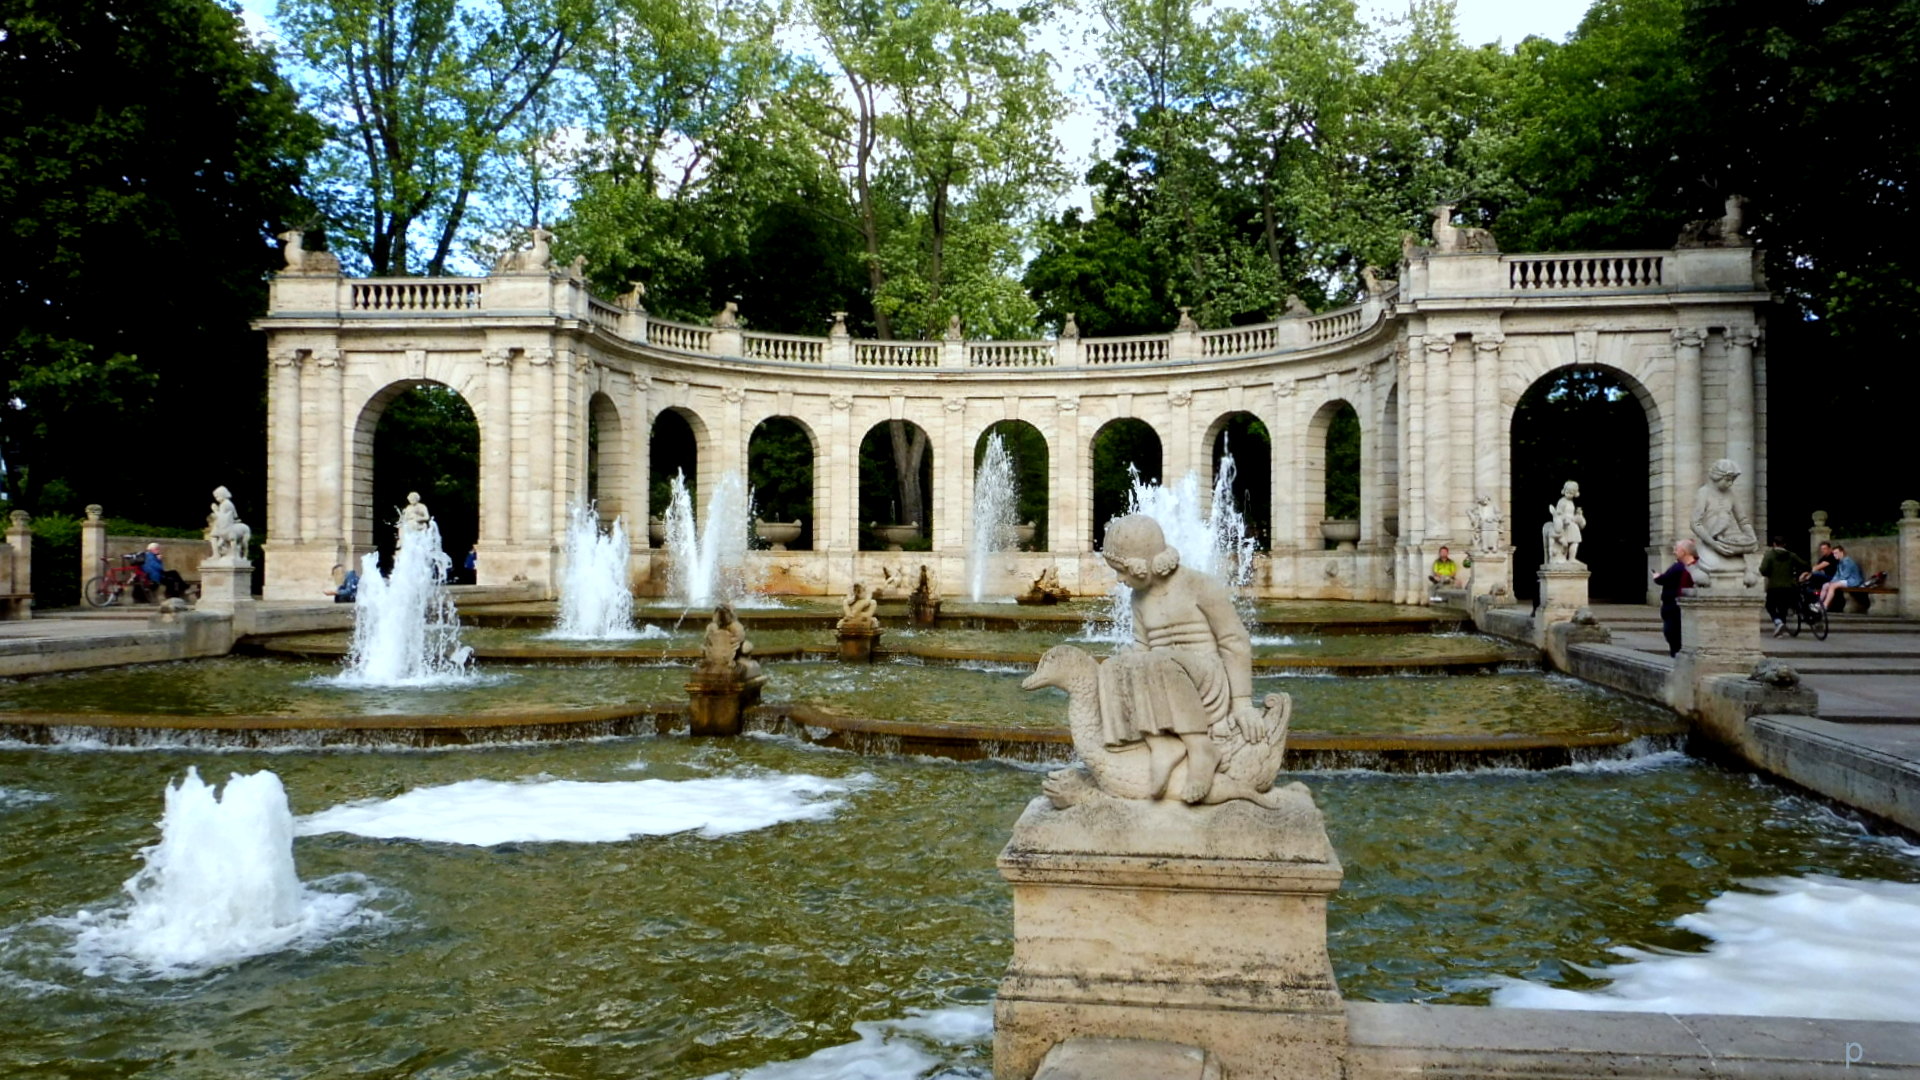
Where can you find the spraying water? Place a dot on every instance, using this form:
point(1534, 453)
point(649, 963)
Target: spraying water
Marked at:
point(996, 502)
point(405, 629)
point(710, 564)
point(218, 888)
point(1211, 539)
point(595, 600)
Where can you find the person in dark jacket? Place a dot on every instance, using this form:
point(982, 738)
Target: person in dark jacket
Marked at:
point(1671, 581)
point(1782, 569)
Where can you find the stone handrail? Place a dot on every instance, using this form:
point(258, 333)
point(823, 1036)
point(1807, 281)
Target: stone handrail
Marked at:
point(1141, 349)
point(896, 353)
point(604, 315)
point(788, 348)
point(679, 337)
point(416, 294)
point(1240, 340)
point(1616, 270)
point(1010, 354)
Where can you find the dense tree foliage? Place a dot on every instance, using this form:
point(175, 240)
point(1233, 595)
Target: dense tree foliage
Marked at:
point(428, 441)
point(148, 151)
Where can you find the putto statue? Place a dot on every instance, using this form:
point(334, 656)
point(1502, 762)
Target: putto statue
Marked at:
point(1485, 518)
point(1173, 715)
point(1725, 532)
point(227, 535)
point(1560, 536)
point(725, 652)
point(857, 611)
point(414, 518)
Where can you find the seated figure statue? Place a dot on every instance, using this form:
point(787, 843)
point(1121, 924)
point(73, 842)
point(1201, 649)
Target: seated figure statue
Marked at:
point(858, 610)
point(1727, 541)
point(1190, 669)
point(725, 650)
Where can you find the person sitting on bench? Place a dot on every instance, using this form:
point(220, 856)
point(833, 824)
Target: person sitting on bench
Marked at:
point(1846, 575)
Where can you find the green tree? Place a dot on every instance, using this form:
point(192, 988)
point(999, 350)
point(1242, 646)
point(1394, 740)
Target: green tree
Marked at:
point(148, 151)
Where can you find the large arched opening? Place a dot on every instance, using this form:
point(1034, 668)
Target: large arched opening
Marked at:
point(780, 455)
point(1333, 473)
point(416, 436)
point(896, 486)
point(1027, 449)
point(1594, 426)
point(1245, 437)
point(673, 449)
point(1121, 450)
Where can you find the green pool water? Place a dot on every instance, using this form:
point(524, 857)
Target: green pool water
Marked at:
point(680, 956)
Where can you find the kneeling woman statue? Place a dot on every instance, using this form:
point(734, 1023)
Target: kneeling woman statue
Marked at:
point(1190, 670)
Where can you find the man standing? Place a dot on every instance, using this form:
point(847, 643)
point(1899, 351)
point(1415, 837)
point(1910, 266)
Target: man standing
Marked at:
point(1782, 570)
point(1671, 582)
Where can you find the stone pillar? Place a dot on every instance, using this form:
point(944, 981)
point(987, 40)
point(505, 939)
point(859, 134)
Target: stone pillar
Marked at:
point(952, 494)
point(20, 540)
point(329, 474)
point(1909, 558)
point(1818, 535)
point(93, 544)
point(540, 440)
point(283, 463)
point(1176, 440)
point(1489, 442)
point(842, 517)
point(1740, 419)
point(225, 584)
point(496, 453)
point(1372, 527)
point(1719, 635)
point(1067, 497)
point(1284, 530)
point(1204, 926)
point(1563, 592)
point(1436, 513)
point(1684, 432)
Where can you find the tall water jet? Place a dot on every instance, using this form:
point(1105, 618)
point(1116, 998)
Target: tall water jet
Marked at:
point(710, 562)
point(1210, 538)
point(595, 599)
point(996, 504)
point(405, 629)
point(219, 887)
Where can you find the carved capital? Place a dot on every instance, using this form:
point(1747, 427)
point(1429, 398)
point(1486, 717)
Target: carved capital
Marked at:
point(539, 357)
point(1488, 343)
point(289, 358)
point(1688, 337)
point(1067, 404)
point(497, 357)
point(1909, 509)
point(327, 358)
point(95, 511)
point(20, 519)
point(954, 404)
point(733, 395)
point(1743, 337)
point(642, 381)
point(1284, 388)
point(1366, 375)
point(1819, 519)
point(1180, 398)
point(842, 401)
point(1438, 347)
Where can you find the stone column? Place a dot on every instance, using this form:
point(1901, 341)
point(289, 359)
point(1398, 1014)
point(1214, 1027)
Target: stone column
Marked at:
point(1818, 535)
point(93, 544)
point(496, 453)
point(283, 464)
point(1176, 439)
point(952, 493)
point(1740, 418)
point(1067, 497)
point(1436, 471)
point(329, 474)
point(1719, 635)
point(1372, 528)
point(20, 539)
point(540, 439)
point(1204, 926)
point(842, 517)
point(1489, 441)
point(1909, 558)
point(1286, 528)
point(1684, 432)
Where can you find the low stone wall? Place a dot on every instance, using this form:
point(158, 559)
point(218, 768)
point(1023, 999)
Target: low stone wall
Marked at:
point(1642, 675)
point(1849, 770)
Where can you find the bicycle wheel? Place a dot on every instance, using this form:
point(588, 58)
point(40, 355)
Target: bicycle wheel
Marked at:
point(100, 591)
point(1799, 617)
point(1820, 625)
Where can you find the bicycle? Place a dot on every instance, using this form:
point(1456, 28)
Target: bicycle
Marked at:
point(106, 588)
point(1808, 613)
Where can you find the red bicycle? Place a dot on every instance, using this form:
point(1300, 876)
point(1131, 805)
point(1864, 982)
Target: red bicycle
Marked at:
point(116, 581)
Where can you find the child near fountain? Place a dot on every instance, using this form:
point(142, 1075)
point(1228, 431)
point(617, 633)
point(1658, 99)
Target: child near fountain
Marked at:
point(1192, 666)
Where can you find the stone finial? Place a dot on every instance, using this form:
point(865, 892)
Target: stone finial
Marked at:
point(21, 520)
point(1909, 509)
point(1370, 279)
point(1819, 519)
point(953, 328)
point(1296, 308)
point(536, 259)
point(1070, 329)
point(95, 511)
point(839, 329)
point(1186, 323)
point(728, 317)
point(303, 263)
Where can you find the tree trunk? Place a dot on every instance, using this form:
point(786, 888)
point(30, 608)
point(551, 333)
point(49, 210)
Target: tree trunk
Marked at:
point(908, 451)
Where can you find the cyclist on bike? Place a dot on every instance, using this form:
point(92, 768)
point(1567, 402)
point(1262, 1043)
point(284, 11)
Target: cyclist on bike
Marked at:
point(1782, 570)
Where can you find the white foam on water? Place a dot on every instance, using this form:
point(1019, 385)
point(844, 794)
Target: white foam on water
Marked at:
point(484, 813)
point(915, 1047)
point(1814, 946)
point(11, 798)
point(220, 887)
point(650, 632)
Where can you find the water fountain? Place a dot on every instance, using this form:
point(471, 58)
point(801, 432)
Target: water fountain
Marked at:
point(405, 629)
point(1211, 537)
point(218, 888)
point(596, 603)
point(996, 502)
point(710, 562)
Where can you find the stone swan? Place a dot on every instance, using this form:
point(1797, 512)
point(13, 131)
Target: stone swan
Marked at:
point(1250, 760)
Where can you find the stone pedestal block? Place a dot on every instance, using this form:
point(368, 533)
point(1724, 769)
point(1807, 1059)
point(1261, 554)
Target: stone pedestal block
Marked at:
point(718, 706)
point(1563, 592)
point(1909, 582)
point(1492, 575)
point(1719, 635)
point(924, 612)
point(93, 544)
point(856, 646)
point(1204, 926)
point(224, 584)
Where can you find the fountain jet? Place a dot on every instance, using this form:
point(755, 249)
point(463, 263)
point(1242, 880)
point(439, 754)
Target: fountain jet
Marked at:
point(405, 629)
point(1211, 537)
point(710, 564)
point(596, 602)
point(996, 502)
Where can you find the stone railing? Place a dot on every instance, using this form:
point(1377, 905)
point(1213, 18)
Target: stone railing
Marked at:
point(1006, 354)
point(909, 354)
point(1145, 349)
point(1240, 341)
point(604, 315)
point(1620, 271)
point(678, 336)
point(786, 348)
point(411, 294)
point(1335, 325)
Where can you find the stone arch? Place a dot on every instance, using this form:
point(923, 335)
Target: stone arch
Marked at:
point(679, 440)
point(781, 437)
point(1327, 468)
point(1607, 479)
point(458, 513)
point(609, 478)
point(1120, 442)
point(1032, 456)
point(887, 493)
point(1247, 437)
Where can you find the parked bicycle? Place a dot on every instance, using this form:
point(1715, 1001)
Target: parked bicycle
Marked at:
point(128, 579)
point(1807, 613)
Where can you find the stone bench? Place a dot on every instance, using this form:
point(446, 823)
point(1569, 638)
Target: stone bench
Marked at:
point(1861, 596)
point(16, 605)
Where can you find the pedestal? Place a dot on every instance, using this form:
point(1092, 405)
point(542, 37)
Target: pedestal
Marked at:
point(1719, 635)
point(857, 645)
point(924, 613)
point(1204, 926)
point(1909, 560)
point(225, 584)
point(717, 706)
point(1563, 592)
point(1490, 576)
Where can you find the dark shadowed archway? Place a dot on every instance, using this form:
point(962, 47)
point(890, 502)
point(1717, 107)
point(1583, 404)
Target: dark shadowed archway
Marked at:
point(1590, 425)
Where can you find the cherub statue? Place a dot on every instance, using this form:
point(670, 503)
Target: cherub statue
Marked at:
point(1486, 519)
point(858, 611)
point(1725, 533)
point(227, 535)
point(1560, 536)
point(414, 518)
point(725, 650)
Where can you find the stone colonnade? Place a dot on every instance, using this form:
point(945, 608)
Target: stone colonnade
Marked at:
point(1434, 370)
